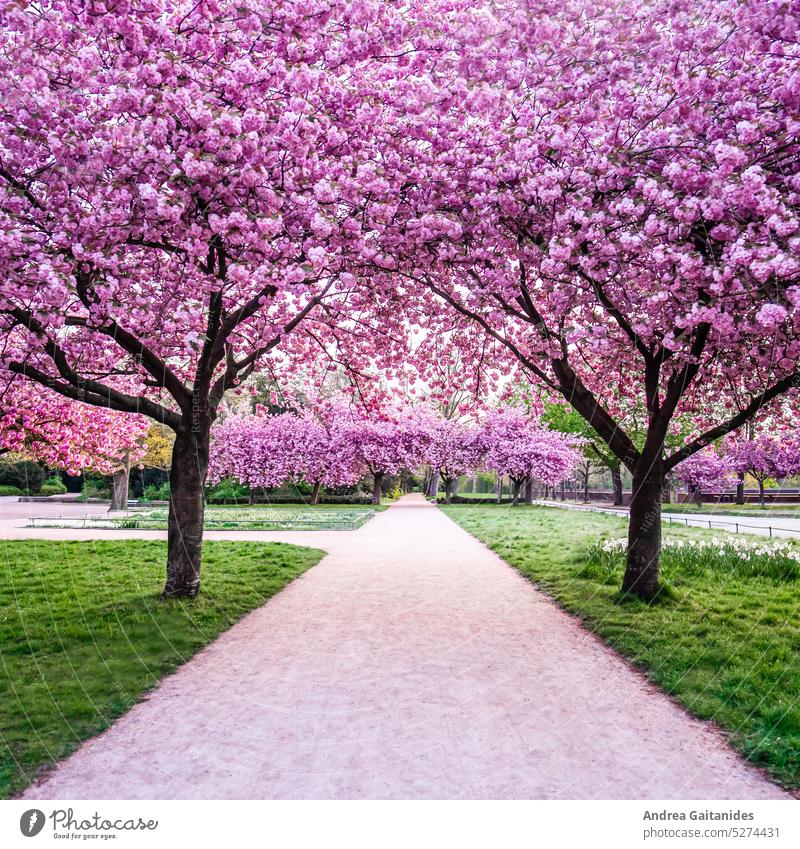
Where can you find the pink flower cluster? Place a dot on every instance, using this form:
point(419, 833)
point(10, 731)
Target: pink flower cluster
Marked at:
point(67, 434)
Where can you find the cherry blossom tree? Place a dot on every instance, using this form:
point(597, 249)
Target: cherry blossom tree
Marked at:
point(381, 445)
point(610, 191)
point(183, 187)
point(765, 457)
point(517, 446)
point(706, 470)
point(72, 436)
point(266, 451)
point(454, 448)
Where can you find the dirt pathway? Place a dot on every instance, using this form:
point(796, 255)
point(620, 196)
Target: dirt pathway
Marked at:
point(410, 663)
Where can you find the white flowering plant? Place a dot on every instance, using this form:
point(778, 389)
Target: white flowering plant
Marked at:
point(776, 560)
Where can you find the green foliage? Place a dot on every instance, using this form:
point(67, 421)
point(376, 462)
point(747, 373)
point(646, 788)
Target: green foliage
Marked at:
point(53, 486)
point(157, 493)
point(95, 486)
point(23, 474)
point(723, 641)
point(85, 633)
point(228, 489)
point(10, 490)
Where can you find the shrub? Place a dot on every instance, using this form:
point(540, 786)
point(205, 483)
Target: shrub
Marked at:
point(10, 490)
point(228, 490)
point(157, 493)
point(23, 474)
point(53, 486)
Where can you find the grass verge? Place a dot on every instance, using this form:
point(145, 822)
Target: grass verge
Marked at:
point(84, 633)
point(727, 646)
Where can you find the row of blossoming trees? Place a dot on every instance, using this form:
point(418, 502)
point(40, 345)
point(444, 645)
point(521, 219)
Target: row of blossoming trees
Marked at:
point(763, 457)
point(607, 192)
point(337, 447)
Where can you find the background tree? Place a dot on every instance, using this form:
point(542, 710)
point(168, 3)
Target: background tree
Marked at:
point(765, 457)
point(72, 436)
point(517, 446)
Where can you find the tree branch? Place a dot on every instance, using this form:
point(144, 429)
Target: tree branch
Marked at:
point(734, 422)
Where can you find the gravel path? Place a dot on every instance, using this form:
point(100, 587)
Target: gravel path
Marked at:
point(410, 663)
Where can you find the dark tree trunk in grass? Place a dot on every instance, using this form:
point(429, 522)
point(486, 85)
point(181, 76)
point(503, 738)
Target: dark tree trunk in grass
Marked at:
point(616, 484)
point(433, 486)
point(563, 490)
point(449, 488)
point(740, 489)
point(315, 492)
point(517, 485)
point(761, 493)
point(186, 511)
point(529, 491)
point(644, 531)
point(376, 488)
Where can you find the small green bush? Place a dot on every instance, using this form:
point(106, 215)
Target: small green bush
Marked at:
point(157, 493)
point(53, 486)
point(228, 490)
point(10, 490)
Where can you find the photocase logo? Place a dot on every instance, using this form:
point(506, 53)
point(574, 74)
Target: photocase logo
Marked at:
point(31, 822)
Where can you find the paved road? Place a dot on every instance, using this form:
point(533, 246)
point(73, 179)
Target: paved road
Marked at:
point(761, 525)
point(410, 663)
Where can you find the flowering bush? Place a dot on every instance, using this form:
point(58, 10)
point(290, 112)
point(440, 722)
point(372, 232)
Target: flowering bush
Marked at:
point(779, 561)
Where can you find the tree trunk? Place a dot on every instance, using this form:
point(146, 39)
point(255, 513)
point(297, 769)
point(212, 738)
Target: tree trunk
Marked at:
point(474, 484)
point(563, 490)
point(433, 486)
point(448, 490)
point(586, 488)
point(761, 493)
point(698, 496)
point(376, 488)
point(529, 491)
point(517, 484)
point(644, 531)
point(616, 484)
point(499, 487)
point(119, 488)
point(740, 489)
point(186, 510)
point(315, 492)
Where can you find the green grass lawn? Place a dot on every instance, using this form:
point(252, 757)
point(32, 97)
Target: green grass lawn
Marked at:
point(84, 633)
point(726, 646)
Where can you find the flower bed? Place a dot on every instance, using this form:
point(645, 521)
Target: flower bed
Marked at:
point(221, 519)
point(779, 561)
